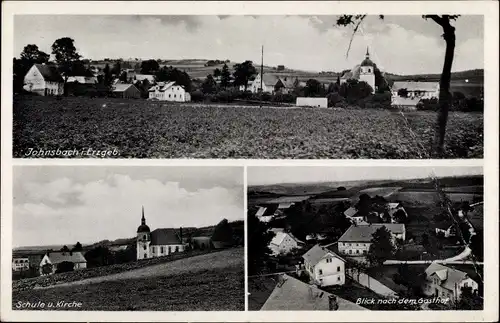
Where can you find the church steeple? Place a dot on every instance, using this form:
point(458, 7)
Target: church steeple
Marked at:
point(143, 220)
point(143, 227)
point(367, 53)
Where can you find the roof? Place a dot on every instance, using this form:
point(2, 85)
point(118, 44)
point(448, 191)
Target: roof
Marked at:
point(261, 211)
point(363, 233)
point(118, 87)
point(142, 77)
point(393, 205)
point(415, 86)
point(287, 81)
point(288, 199)
point(352, 74)
point(280, 236)
point(295, 295)
point(350, 212)
point(367, 62)
point(316, 253)
point(448, 276)
point(165, 237)
point(58, 257)
point(49, 72)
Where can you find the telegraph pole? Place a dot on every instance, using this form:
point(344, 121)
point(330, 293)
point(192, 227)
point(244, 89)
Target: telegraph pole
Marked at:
point(262, 68)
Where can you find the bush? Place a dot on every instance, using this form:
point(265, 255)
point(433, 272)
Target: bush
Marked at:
point(197, 96)
point(64, 267)
point(428, 104)
point(334, 98)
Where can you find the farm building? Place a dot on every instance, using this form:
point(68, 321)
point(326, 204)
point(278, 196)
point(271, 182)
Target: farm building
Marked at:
point(416, 90)
point(364, 72)
point(126, 91)
point(272, 84)
point(160, 242)
point(324, 267)
point(283, 242)
point(170, 91)
point(44, 80)
point(20, 263)
point(312, 102)
point(291, 294)
point(446, 282)
point(356, 240)
point(52, 260)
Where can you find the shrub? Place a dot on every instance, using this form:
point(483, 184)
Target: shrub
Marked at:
point(197, 96)
point(64, 267)
point(428, 104)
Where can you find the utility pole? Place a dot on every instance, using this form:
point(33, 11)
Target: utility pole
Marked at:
point(262, 68)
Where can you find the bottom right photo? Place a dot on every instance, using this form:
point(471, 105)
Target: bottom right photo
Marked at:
point(365, 238)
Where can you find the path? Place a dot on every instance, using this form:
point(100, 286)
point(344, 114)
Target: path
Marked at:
point(217, 260)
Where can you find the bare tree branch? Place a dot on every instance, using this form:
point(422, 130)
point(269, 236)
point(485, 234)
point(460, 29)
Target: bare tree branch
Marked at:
point(354, 33)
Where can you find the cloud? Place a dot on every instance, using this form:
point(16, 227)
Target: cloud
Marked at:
point(111, 208)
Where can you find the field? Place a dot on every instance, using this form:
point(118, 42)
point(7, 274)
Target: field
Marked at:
point(208, 282)
point(143, 129)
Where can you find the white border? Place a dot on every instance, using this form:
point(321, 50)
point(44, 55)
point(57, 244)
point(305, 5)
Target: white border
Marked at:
point(487, 8)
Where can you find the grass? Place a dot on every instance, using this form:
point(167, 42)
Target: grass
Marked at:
point(260, 288)
point(144, 129)
point(191, 284)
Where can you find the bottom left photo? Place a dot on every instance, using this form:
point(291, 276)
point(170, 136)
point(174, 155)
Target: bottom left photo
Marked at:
point(128, 238)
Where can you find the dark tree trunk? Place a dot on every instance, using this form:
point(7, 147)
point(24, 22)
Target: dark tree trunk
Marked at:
point(444, 88)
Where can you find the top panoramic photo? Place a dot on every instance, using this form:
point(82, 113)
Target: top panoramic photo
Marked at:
point(248, 87)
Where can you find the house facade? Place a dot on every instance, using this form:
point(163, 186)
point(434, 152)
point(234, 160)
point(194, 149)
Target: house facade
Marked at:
point(44, 80)
point(446, 282)
point(20, 264)
point(324, 267)
point(53, 259)
point(416, 90)
point(356, 241)
point(169, 92)
point(83, 79)
point(158, 243)
point(283, 242)
point(126, 91)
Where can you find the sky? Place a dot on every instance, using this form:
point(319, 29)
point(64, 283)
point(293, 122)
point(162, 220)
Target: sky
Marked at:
point(63, 204)
point(318, 174)
point(398, 44)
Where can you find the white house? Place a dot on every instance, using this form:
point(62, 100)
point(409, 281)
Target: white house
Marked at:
point(324, 267)
point(141, 77)
point(416, 90)
point(353, 215)
point(82, 79)
point(356, 240)
point(283, 242)
point(446, 282)
point(44, 80)
point(160, 242)
point(19, 264)
point(55, 258)
point(169, 92)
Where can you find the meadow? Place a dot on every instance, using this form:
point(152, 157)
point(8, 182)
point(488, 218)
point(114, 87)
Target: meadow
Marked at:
point(204, 283)
point(144, 129)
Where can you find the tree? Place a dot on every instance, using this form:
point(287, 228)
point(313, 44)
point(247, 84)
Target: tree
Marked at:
point(65, 249)
point(65, 266)
point(400, 216)
point(47, 269)
point(223, 232)
point(364, 204)
point(108, 78)
point(170, 74)
point(117, 69)
point(313, 88)
point(78, 247)
point(32, 55)
point(341, 188)
point(217, 72)
point(243, 72)
point(209, 85)
point(381, 247)
point(258, 244)
point(469, 300)
point(354, 90)
point(98, 256)
point(150, 66)
point(225, 76)
point(66, 56)
point(123, 77)
point(403, 93)
point(445, 98)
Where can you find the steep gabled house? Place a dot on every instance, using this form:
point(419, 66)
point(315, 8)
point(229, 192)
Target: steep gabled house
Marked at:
point(53, 259)
point(170, 91)
point(283, 242)
point(324, 267)
point(126, 91)
point(446, 282)
point(44, 79)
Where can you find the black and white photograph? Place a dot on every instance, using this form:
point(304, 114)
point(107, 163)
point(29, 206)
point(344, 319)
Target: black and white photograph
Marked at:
point(365, 238)
point(248, 86)
point(95, 238)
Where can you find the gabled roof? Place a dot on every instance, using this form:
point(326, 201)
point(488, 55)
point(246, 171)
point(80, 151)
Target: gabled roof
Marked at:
point(165, 237)
point(261, 211)
point(49, 72)
point(294, 295)
point(280, 236)
point(449, 277)
point(58, 257)
point(415, 86)
point(142, 77)
point(350, 212)
point(119, 87)
point(316, 253)
point(363, 233)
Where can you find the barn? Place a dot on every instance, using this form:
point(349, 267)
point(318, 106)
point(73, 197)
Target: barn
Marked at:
point(126, 91)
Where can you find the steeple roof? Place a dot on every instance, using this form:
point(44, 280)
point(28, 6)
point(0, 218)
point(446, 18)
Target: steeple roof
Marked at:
point(367, 61)
point(143, 227)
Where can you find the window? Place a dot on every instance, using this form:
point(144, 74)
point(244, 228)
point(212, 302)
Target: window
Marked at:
point(154, 249)
point(364, 251)
point(338, 278)
point(350, 251)
point(466, 284)
point(357, 251)
point(338, 268)
point(145, 247)
point(175, 95)
point(169, 249)
point(320, 272)
point(170, 95)
point(145, 256)
point(162, 250)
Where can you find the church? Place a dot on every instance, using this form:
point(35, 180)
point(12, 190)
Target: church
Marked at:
point(364, 72)
point(158, 243)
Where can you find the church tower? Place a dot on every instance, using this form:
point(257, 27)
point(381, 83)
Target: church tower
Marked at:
point(143, 239)
point(367, 71)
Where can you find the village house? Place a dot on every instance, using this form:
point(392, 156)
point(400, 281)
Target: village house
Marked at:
point(266, 213)
point(364, 72)
point(283, 242)
point(141, 77)
point(44, 80)
point(158, 243)
point(86, 78)
point(52, 260)
point(275, 208)
point(170, 91)
point(392, 208)
point(324, 267)
point(291, 294)
point(356, 240)
point(126, 91)
point(20, 264)
point(446, 282)
point(271, 84)
point(416, 90)
point(353, 215)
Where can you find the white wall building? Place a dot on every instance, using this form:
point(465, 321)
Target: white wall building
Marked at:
point(169, 92)
point(283, 242)
point(19, 264)
point(44, 80)
point(82, 79)
point(356, 240)
point(55, 258)
point(324, 267)
point(446, 282)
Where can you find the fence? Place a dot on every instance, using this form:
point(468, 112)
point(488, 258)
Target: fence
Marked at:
point(370, 283)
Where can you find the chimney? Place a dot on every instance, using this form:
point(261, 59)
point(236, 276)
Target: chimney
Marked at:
point(332, 303)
